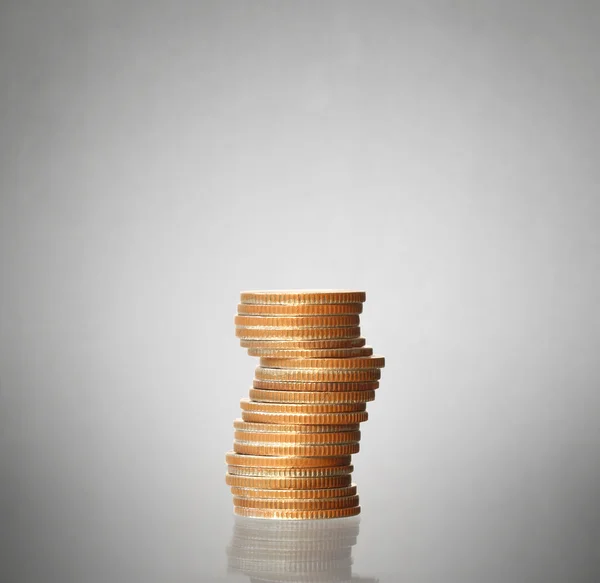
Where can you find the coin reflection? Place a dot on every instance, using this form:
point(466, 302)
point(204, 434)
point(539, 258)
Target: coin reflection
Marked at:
point(294, 551)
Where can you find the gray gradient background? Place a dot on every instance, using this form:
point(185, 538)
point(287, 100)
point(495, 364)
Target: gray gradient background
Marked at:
point(158, 157)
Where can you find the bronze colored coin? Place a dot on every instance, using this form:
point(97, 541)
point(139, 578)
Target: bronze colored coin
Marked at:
point(316, 375)
point(305, 418)
point(299, 504)
point(288, 483)
point(270, 472)
point(299, 494)
point(257, 406)
point(282, 462)
point(311, 397)
point(274, 385)
point(328, 296)
point(297, 321)
point(317, 353)
point(291, 344)
point(298, 309)
point(241, 425)
point(355, 363)
point(308, 450)
point(297, 333)
point(305, 438)
point(297, 514)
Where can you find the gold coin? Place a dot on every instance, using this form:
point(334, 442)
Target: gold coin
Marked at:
point(316, 375)
point(311, 397)
point(306, 438)
point(298, 309)
point(277, 322)
point(297, 333)
point(291, 344)
point(241, 425)
point(355, 363)
point(257, 406)
point(288, 483)
point(296, 504)
point(308, 450)
point(317, 353)
point(305, 418)
point(310, 387)
point(296, 514)
point(329, 296)
point(270, 472)
point(299, 494)
point(282, 462)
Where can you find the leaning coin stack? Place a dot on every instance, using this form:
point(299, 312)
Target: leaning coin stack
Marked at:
point(292, 448)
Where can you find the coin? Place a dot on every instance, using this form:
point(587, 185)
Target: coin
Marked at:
point(355, 363)
point(316, 353)
point(299, 344)
point(257, 406)
point(305, 418)
point(283, 472)
point(316, 375)
point(284, 449)
point(241, 425)
point(297, 333)
point(276, 385)
point(297, 321)
point(303, 297)
point(298, 494)
point(297, 514)
point(306, 438)
point(311, 397)
point(279, 463)
point(288, 483)
point(298, 309)
point(300, 504)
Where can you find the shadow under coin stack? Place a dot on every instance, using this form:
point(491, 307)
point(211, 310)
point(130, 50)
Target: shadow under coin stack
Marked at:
point(292, 451)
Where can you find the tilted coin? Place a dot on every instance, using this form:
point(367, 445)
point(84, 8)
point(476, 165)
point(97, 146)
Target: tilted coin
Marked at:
point(308, 450)
point(300, 344)
point(303, 297)
point(296, 504)
point(297, 514)
point(316, 375)
point(298, 309)
point(288, 482)
point(355, 363)
point(258, 406)
point(299, 494)
point(305, 418)
point(277, 385)
point(283, 472)
point(341, 321)
point(315, 353)
point(242, 425)
point(311, 397)
point(278, 463)
point(297, 333)
point(298, 438)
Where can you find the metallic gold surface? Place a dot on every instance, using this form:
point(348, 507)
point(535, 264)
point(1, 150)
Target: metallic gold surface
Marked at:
point(340, 321)
point(287, 482)
point(355, 363)
point(261, 407)
point(316, 375)
point(305, 438)
point(311, 397)
point(281, 462)
point(299, 494)
point(282, 472)
point(297, 333)
point(298, 309)
point(297, 514)
point(315, 353)
point(276, 385)
point(296, 504)
point(306, 418)
point(242, 425)
point(277, 449)
point(302, 297)
point(291, 344)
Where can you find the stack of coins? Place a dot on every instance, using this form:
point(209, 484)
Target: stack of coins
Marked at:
point(292, 451)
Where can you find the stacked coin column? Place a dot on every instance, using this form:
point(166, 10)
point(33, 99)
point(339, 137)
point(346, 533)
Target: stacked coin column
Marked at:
point(300, 424)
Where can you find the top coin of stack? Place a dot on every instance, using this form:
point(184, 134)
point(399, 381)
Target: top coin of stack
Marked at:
point(299, 428)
